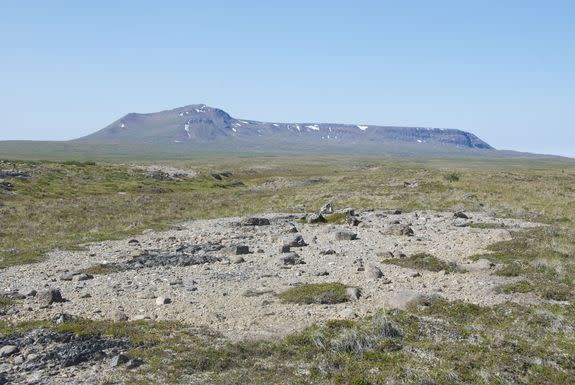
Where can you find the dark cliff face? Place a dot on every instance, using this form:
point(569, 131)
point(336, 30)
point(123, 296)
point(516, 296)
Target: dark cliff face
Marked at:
point(199, 123)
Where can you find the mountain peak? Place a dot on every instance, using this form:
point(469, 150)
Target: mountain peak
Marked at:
point(199, 123)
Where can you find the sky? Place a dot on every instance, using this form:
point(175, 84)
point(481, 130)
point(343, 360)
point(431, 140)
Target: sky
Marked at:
point(504, 69)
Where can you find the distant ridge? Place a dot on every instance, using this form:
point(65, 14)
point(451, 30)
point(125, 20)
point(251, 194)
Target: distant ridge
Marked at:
point(198, 123)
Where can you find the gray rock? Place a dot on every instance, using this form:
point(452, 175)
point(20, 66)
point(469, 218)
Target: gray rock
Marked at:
point(68, 276)
point(321, 273)
point(163, 300)
point(284, 249)
point(119, 316)
point(29, 293)
point(343, 235)
point(373, 272)
point(18, 360)
point(237, 259)
point(118, 360)
point(61, 318)
point(352, 220)
point(294, 241)
point(257, 292)
point(238, 250)
point(291, 259)
point(50, 296)
point(385, 254)
point(398, 229)
point(326, 209)
point(353, 293)
point(8, 350)
point(315, 218)
point(83, 277)
point(327, 252)
point(253, 221)
point(347, 313)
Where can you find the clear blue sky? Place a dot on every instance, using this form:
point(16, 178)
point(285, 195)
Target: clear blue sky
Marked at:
point(503, 69)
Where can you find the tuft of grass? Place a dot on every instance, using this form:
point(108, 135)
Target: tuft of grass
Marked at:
point(516, 287)
point(423, 261)
point(318, 293)
point(486, 225)
point(5, 302)
point(452, 177)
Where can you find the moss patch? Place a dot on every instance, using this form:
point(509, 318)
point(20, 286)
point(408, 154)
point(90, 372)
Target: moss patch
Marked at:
point(423, 261)
point(319, 293)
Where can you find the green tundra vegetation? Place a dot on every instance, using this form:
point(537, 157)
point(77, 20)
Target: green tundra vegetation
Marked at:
point(65, 204)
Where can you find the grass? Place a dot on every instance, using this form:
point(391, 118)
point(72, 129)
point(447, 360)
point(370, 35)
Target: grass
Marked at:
point(441, 342)
point(423, 261)
point(516, 287)
point(543, 255)
point(319, 293)
point(5, 302)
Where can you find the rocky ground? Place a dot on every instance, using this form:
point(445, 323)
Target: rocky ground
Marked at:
point(225, 274)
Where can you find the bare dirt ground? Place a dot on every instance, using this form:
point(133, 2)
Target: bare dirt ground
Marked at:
point(192, 274)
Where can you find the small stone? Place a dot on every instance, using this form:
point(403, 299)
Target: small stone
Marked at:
point(347, 313)
point(385, 254)
point(291, 259)
point(460, 214)
point(8, 350)
point(119, 316)
point(373, 272)
point(327, 252)
point(118, 360)
point(315, 218)
point(352, 221)
point(257, 292)
point(345, 235)
point(237, 259)
point(68, 276)
point(285, 249)
point(294, 241)
point(353, 293)
point(326, 209)
point(321, 273)
point(163, 300)
point(18, 360)
point(83, 277)
point(139, 317)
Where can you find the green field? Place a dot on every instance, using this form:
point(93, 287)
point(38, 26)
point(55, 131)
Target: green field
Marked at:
point(65, 204)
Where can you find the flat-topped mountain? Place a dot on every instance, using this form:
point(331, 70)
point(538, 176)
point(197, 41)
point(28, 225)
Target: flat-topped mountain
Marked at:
point(199, 123)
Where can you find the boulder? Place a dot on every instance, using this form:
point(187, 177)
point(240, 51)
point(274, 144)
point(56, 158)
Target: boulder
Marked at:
point(8, 350)
point(50, 296)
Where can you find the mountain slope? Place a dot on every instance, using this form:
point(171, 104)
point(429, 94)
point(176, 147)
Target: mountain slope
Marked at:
point(202, 124)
